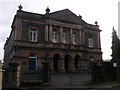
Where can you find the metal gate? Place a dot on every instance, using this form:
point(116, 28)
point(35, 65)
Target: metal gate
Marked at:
point(83, 76)
point(36, 76)
point(79, 78)
point(29, 77)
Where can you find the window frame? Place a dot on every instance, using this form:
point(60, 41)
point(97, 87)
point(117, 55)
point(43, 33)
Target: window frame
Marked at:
point(35, 67)
point(90, 41)
point(33, 34)
point(64, 37)
point(54, 36)
point(74, 38)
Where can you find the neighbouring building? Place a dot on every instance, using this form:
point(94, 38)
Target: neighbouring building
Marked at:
point(61, 38)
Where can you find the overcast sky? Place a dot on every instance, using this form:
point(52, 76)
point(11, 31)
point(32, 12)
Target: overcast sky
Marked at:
point(103, 11)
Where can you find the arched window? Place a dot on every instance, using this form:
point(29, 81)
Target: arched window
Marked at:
point(32, 62)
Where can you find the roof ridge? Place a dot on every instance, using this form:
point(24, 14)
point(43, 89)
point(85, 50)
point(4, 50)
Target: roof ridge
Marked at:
point(30, 12)
point(59, 11)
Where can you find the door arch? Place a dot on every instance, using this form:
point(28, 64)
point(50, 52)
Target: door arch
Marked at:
point(67, 62)
point(56, 62)
point(77, 62)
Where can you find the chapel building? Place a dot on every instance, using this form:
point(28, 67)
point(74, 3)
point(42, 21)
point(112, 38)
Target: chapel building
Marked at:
point(61, 38)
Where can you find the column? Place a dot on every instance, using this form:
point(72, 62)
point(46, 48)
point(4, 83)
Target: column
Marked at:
point(83, 38)
point(80, 38)
point(46, 32)
point(79, 65)
point(50, 33)
point(72, 65)
point(51, 66)
point(71, 32)
point(61, 31)
point(98, 44)
point(62, 68)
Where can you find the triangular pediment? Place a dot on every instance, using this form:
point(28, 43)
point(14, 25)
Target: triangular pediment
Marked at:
point(65, 15)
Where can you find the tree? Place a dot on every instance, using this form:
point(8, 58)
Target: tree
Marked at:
point(116, 52)
point(115, 46)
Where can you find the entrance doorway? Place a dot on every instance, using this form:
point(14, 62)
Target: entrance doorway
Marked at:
point(77, 62)
point(56, 60)
point(67, 62)
point(32, 63)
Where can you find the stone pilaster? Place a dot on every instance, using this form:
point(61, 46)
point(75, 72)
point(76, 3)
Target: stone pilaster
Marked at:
point(99, 44)
point(46, 32)
point(61, 32)
point(62, 68)
point(71, 32)
point(80, 37)
point(51, 66)
point(50, 33)
point(72, 65)
point(83, 38)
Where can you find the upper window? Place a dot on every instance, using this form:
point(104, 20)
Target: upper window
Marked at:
point(90, 41)
point(64, 37)
point(54, 36)
point(74, 39)
point(33, 34)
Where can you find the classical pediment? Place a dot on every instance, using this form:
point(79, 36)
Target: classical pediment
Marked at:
point(65, 15)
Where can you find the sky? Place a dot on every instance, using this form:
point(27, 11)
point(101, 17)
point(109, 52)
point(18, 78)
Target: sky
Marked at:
point(105, 12)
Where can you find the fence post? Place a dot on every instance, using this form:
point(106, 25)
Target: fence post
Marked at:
point(5, 79)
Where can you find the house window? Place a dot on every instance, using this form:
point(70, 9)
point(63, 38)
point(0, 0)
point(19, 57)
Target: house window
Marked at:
point(74, 41)
point(64, 37)
point(32, 63)
point(33, 34)
point(54, 36)
point(90, 41)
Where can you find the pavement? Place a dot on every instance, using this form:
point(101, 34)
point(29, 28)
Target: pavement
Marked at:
point(100, 86)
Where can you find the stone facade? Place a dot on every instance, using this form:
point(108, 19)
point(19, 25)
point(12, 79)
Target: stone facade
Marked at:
point(61, 38)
